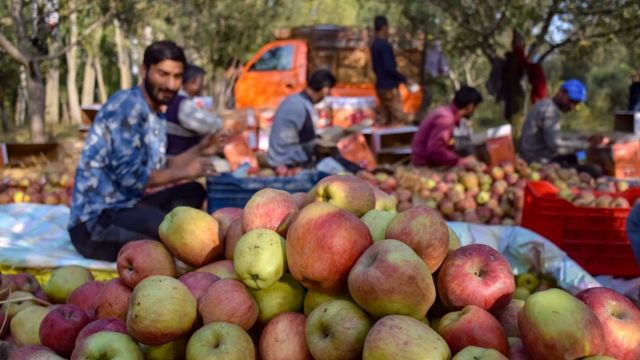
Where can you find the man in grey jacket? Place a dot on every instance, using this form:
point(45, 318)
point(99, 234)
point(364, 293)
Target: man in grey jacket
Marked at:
point(292, 138)
point(540, 139)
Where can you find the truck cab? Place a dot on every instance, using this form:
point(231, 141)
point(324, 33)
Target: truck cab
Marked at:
point(281, 67)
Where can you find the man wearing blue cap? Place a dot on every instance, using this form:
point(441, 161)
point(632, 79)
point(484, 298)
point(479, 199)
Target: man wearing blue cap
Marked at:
point(540, 139)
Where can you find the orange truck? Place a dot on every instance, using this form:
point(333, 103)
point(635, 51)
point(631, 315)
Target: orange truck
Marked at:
point(281, 67)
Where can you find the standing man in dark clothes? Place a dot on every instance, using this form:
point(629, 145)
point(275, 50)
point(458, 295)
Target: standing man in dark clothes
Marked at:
point(186, 122)
point(387, 76)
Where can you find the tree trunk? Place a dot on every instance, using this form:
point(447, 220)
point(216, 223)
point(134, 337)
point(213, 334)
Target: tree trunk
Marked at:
point(21, 100)
point(35, 104)
point(72, 68)
point(102, 90)
point(89, 81)
point(4, 118)
point(52, 93)
point(123, 57)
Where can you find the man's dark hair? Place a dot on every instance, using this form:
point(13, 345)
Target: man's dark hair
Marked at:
point(321, 79)
point(380, 22)
point(160, 51)
point(465, 96)
point(192, 72)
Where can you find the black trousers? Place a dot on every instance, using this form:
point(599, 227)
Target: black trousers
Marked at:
point(102, 239)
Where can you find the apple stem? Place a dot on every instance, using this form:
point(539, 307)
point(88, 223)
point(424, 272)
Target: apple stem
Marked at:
point(26, 298)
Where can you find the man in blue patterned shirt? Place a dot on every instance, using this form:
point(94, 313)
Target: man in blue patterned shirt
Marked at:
point(124, 154)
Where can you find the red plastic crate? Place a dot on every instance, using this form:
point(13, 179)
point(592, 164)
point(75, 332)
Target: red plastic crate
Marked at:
point(595, 238)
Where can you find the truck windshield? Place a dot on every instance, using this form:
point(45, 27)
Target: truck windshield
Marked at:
point(277, 59)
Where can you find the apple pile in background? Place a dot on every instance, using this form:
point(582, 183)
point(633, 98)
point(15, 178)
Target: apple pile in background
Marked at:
point(336, 273)
point(480, 194)
point(49, 184)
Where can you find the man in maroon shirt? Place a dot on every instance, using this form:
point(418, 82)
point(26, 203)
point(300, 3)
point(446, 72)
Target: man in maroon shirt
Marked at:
point(433, 144)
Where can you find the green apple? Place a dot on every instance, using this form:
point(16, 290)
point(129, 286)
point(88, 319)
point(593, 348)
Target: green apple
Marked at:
point(556, 325)
point(221, 268)
point(107, 345)
point(17, 302)
point(403, 337)
point(454, 240)
point(191, 235)
point(174, 350)
point(259, 258)
point(314, 298)
point(528, 281)
point(348, 192)
point(161, 310)
point(220, 340)
point(25, 326)
point(478, 353)
point(384, 201)
point(521, 293)
point(377, 221)
point(286, 295)
point(64, 281)
point(336, 330)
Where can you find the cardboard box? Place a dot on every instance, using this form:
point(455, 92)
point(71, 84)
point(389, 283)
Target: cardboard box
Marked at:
point(495, 146)
point(356, 149)
point(620, 159)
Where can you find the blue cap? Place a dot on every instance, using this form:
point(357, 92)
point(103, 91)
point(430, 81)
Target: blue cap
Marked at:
point(575, 90)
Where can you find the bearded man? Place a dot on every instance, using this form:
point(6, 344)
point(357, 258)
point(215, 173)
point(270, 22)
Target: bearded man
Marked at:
point(124, 155)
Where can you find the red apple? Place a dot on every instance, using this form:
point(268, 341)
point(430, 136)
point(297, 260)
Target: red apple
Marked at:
point(323, 243)
point(226, 216)
point(26, 282)
point(300, 199)
point(60, 328)
point(389, 278)
point(114, 325)
point(269, 209)
point(34, 352)
point(198, 282)
point(403, 337)
point(222, 269)
point(508, 317)
point(620, 320)
point(113, 300)
point(231, 238)
point(517, 350)
point(473, 326)
point(478, 275)
point(228, 300)
point(86, 297)
point(556, 325)
point(140, 259)
point(283, 338)
point(424, 231)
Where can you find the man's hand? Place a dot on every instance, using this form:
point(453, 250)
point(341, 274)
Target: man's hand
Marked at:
point(211, 144)
point(468, 160)
point(200, 166)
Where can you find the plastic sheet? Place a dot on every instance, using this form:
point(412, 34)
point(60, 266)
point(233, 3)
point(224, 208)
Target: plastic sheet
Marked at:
point(527, 251)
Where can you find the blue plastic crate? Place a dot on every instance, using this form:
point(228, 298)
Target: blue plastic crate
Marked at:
point(226, 190)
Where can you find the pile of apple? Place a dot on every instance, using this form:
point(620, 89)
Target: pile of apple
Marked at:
point(49, 184)
point(476, 193)
point(336, 273)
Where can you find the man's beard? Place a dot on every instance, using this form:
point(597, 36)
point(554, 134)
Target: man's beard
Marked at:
point(153, 92)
